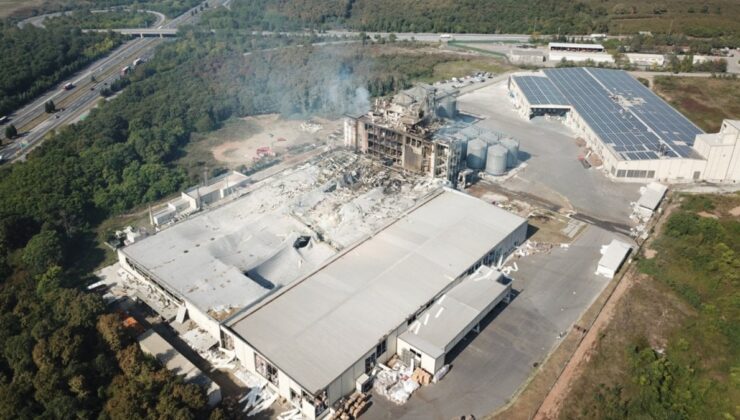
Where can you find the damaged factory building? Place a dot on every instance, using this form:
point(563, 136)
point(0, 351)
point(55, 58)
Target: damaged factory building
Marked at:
point(315, 278)
point(401, 132)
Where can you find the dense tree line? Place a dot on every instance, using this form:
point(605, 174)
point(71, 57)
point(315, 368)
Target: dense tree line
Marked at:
point(34, 59)
point(85, 19)
point(471, 16)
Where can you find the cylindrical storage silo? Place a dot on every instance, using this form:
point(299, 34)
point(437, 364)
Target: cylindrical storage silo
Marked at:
point(476, 158)
point(512, 146)
point(496, 160)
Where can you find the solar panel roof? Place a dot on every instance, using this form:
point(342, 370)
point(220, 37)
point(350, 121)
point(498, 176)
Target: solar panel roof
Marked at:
point(626, 115)
point(540, 91)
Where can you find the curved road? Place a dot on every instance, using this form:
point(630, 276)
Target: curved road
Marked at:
point(38, 21)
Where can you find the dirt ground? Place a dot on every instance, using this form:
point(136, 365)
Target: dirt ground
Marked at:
point(281, 136)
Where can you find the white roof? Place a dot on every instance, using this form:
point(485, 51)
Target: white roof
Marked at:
point(320, 326)
point(651, 198)
point(615, 254)
point(575, 45)
point(234, 255)
point(227, 180)
point(434, 331)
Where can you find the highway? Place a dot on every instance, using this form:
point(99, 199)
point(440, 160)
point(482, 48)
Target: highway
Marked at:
point(33, 123)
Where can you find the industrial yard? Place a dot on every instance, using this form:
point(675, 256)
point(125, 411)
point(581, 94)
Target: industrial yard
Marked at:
point(421, 262)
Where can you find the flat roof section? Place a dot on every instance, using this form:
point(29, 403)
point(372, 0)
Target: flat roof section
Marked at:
point(234, 255)
point(615, 254)
point(436, 329)
point(653, 195)
point(320, 326)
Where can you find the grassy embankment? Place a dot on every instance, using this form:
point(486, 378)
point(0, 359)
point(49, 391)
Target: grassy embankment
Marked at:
point(672, 349)
point(705, 101)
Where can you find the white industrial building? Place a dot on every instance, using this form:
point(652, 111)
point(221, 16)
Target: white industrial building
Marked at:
point(578, 53)
point(313, 339)
point(613, 255)
point(646, 60)
point(197, 197)
point(638, 136)
point(312, 277)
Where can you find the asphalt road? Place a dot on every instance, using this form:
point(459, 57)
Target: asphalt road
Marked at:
point(34, 124)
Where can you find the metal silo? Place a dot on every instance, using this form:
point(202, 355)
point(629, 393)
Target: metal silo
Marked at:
point(512, 146)
point(476, 158)
point(496, 160)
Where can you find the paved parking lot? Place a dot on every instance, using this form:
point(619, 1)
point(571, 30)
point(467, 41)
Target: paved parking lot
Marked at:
point(553, 171)
point(554, 290)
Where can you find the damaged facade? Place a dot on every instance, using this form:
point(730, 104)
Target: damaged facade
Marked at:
point(314, 276)
point(400, 132)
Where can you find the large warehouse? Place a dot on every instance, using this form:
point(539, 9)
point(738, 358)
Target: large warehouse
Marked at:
point(638, 135)
point(317, 274)
point(313, 339)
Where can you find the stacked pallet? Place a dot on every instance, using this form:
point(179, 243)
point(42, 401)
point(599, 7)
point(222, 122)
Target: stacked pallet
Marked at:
point(352, 407)
point(421, 377)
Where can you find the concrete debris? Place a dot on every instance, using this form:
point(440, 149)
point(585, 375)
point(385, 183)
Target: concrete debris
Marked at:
point(311, 127)
point(531, 247)
point(294, 414)
point(258, 399)
point(396, 384)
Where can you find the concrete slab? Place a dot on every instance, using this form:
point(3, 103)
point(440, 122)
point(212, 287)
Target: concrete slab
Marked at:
point(554, 290)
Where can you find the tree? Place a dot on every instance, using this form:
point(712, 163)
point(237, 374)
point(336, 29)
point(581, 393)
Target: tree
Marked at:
point(11, 132)
point(49, 107)
point(43, 251)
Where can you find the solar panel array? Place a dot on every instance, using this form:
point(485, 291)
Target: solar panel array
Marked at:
point(540, 90)
point(620, 110)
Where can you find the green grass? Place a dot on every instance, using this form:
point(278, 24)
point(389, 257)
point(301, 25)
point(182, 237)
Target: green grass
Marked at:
point(705, 101)
point(672, 349)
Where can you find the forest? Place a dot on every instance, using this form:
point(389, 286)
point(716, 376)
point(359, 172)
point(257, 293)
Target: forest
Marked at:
point(32, 59)
point(716, 18)
point(85, 19)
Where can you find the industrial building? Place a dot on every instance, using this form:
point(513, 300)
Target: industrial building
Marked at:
point(313, 339)
point(527, 56)
point(559, 51)
point(415, 131)
point(400, 132)
point(196, 198)
point(638, 136)
point(312, 306)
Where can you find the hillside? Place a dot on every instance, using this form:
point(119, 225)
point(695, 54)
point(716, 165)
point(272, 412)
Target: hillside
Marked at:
point(711, 18)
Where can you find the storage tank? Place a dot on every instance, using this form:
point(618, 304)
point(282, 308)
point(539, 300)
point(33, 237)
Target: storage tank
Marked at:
point(512, 146)
point(476, 157)
point(496, 160)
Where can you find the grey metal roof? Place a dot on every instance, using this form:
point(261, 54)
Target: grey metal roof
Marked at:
point(320, 326)
point(615, 254)
point(434, 330)
point(626, 115)
point(653, 195)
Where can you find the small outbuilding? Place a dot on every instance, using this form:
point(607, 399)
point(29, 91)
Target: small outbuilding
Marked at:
point(650, 199)
point(613, 255)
